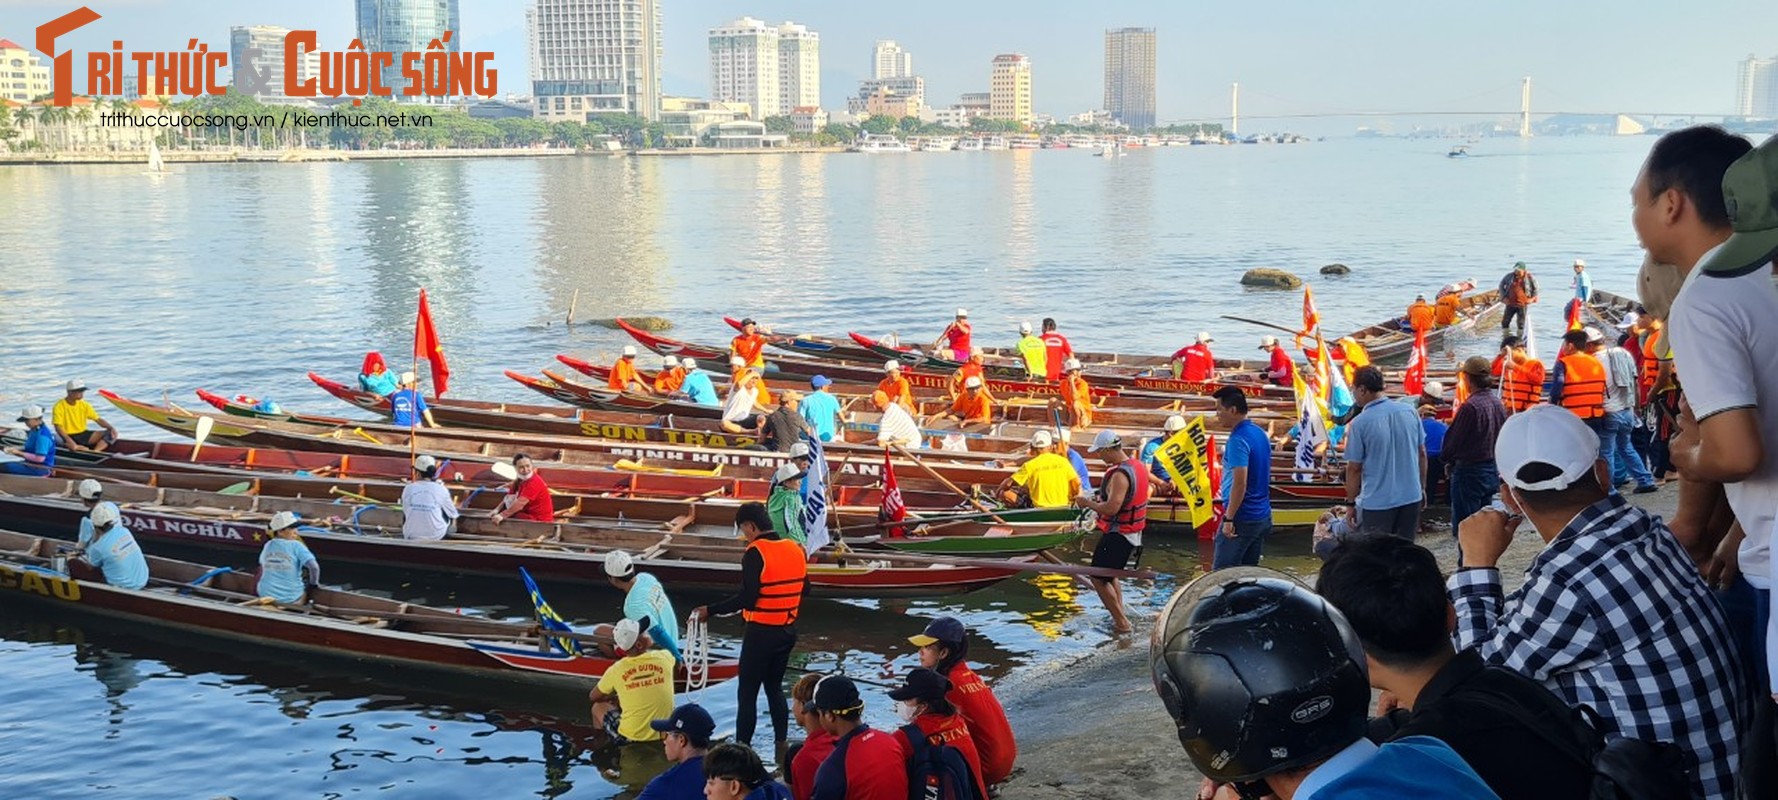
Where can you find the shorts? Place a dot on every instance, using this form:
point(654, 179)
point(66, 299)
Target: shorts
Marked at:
point(92, 437)
point(750, 422)
point(1114, 551)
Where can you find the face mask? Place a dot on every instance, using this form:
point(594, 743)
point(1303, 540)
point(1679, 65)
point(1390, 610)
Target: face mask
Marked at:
point(906, 711)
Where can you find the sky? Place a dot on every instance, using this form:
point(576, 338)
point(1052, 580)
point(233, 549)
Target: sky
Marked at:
point(1290, 56)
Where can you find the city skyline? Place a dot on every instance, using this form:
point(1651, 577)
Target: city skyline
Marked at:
point(1293, 59)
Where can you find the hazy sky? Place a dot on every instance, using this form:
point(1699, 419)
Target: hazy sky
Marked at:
point(1290, 56)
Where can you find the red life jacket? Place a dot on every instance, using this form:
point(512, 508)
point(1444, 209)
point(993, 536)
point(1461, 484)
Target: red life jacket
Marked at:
point(1133, 517)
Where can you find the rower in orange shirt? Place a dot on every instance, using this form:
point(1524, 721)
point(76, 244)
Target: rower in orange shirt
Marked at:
point(1444, 313)
point(749, 345)
point(736, 364)
point(972, 407)
point(896, 387)
point(1076, 402)
point(671, 376)
point(970, 369)
point(1420, 315)
point(623, 374)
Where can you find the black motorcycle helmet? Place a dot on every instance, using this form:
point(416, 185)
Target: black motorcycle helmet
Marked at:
point(1260, 674)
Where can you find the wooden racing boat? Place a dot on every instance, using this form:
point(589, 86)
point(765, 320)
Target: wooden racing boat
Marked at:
point(1393, 337)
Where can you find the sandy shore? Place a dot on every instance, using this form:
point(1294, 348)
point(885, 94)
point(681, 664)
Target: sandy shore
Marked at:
point(1094, 728)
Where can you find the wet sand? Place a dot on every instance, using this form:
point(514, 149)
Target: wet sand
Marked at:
point(1094, 728)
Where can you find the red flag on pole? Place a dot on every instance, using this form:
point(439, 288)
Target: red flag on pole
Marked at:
point(427, 346)
point(892, 510)
point(1413, 381)
point(1311, 319)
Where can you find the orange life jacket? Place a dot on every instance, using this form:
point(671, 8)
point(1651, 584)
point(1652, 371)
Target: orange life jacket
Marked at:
point(1420, 316)
point(780, 582)
point(1583, 385)
point(1521, 385)
point(1651, 361)
point(1446, 311)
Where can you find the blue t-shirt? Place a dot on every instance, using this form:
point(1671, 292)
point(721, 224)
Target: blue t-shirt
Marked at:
point(697, 386)
point(40, 441)
point(1080, 468)
point(822, 411)
point(281, 565)
point(1583, 286)
point(115, 553)
point(1148, 451)
point(1399, 770)
point(381, 383)
point(646, 598)
point(408, 408)
point(1247, 446)
point(684, 781)
point(1435, 436)
point(1386, 437)
point(770, 790)
point(86, 532)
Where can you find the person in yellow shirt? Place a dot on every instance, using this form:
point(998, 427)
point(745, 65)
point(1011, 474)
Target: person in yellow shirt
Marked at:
point(72, 414)
point(1048, 480)
point(637, 689)
point(1354, 356)
point(1035, 354)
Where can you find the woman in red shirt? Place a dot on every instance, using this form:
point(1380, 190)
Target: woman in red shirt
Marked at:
point(944, 648)
point(806, 758)
point(528, 498)
point(922, 704)
point(956, 337)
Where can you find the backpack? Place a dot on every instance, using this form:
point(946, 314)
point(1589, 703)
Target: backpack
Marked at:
point(937, 771)
point(1623, 768)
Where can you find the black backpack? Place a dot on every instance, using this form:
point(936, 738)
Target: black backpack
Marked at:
point(1623, 768)
point(937, 771)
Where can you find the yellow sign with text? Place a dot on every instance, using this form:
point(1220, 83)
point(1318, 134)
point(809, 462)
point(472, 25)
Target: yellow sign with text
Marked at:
point(1185, 458)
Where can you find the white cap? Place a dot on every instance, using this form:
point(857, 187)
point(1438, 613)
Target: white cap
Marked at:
point(1433, 389)
point(1594, 334)
point(31, 412)
point(89, 489)
point(1024, 327)
point(962, 312)
point(424, 462)
point(972, 382)
point(409, 377)
point(1106, 440)
point(618, 564)
point(689, 363)
point(786, 471)
point(505, 469)
point(104, 514)
point(625, 633)
point(629, 351)
point(800, 450)
point(76, 386)
point(1268, 340)
point(669, 362)
point(1629, 321)
point(1580, 262)
point(737, 361)
point(975, 351)
point(1042, 440)
point(891, 365)
point(1204, 337)
point(1174, 423)
point(1070, 364)
point(1546, 434)
point(283, 520)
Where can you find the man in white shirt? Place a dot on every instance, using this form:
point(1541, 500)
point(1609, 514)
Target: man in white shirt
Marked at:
point(896, 428)
point(426, 508)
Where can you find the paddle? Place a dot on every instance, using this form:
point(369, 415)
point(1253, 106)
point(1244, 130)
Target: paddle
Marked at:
point(205, 424)
point(948, 484)
point(1291, 331)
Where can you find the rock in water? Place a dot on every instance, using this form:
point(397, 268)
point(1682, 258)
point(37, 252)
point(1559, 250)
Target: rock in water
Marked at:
point(643, 323)
point(1336, 269)
point(1265, 278)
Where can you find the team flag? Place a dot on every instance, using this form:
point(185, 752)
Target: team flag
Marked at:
point(892, 510)
point(815, 482)
point(1311, 431)
point(1311, 319)
point(1413, 381)
point(548, 619)
point(427, 346)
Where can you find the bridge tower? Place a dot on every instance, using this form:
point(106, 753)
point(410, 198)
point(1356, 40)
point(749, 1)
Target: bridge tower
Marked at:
point(1235, 109)
point(1525, 108)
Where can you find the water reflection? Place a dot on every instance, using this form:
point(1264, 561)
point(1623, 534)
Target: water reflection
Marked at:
point(597, 231)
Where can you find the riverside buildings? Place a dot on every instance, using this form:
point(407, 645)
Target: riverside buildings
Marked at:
point(595, 57)
point(773, 68)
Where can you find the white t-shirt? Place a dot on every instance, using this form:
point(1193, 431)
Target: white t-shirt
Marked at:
point(739, 404)
point(427, 510)
point(1724, 331)
point(897, 427)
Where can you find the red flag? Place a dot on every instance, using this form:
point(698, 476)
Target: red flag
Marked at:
point(1572, 312)
point(427, 346)
point(1413, 381)
point(892, 510)
point(1311, 320)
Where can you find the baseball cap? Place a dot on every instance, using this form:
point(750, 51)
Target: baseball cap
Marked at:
point(1204, 337)
point(1519, 266)
point(836, 694)
point(76, 386)
point(669, 362)
point(962, 312)
point(1478, 366)
point(1750, 190)
point(689, 720)
point(943, 630)
point(799, 450)
point(922, 684)
point(409, 377)
point(1268, 341)
point(89, 489)
point(30, 413)
point(891, 365)
point(423, 463)
point(1594, 334)
point(283, 520)
point(1174, 423)
point(1546, 434)
point(1070, 365)
point(786, 471)
point(629, 351)
point(1024, 327)
point(619, 564)
point(748, 321)
point(625, 633)
point(688, 363)
point(975, 352)
point(1433, 389)
point(104, 514)
point(1580, 262)
point(1106, 440)
point(820, 380)
point(972, 382)
point(1042, 440)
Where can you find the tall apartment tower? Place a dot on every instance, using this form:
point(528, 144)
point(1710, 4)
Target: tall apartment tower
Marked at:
point(888, 60)
point(268, 40)
point(1756, 91)
point(1129, 76)
point(799, 69)
point(407, 26)
point(744, 65)
point(594, 57)
point(1009, 89)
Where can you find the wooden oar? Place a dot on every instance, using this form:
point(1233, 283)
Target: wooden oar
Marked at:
point(205, 424)
point(947, 482)
point(1057, 567)
point(1291, 331)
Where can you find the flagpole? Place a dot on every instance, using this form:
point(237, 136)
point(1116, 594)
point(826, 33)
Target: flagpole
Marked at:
point(412, 445)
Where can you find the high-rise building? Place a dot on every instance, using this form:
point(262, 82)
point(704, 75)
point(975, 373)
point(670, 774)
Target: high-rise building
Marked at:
point(744, 65)
point(1009, 89)
point(594, 57)
point(888, 60)
point(1129, 76)
point(407, 26)
point(799, 69)
point(1756, 93)
point(22, 77)
point(268, 62)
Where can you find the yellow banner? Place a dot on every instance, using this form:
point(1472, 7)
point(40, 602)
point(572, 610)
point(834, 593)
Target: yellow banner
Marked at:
point(1184, 457)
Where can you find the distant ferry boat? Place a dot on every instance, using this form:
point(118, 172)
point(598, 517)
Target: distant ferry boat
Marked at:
point(1026, 143)
point(938, 144)
point(994, 143)
point(971, 143)
point(880, 143)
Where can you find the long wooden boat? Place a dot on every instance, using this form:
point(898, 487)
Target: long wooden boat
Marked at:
point(211, 601)
point(558, 551)
point(1393, 337)
point(1608, 308)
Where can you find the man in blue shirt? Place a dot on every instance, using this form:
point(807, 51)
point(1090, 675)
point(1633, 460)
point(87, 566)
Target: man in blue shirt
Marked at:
point(408, 407)
point(645, 601)
point(113, 549)
point(39, 452)
point(686, 736)
point(697, 385)
point(1246, 484)
point(1385, 460)
point(1156, 474)
point(821, 409)
point(1074, 457)
point(1583, 283)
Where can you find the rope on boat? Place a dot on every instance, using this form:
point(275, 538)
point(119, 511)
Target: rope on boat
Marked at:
point(361, 509)
point(696, 650)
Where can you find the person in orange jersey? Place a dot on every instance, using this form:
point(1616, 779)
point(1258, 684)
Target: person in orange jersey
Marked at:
point(972, 368)
point(972, 407)
point(623, 376)
point(670, 378)
point(1420, 315)
point(749, 345)
point(896, 386)
point(1076, 400)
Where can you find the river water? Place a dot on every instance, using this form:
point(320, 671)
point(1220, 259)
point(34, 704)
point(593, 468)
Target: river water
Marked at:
point(239, 278)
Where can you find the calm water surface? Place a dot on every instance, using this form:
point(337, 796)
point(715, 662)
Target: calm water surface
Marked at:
point(239, 278)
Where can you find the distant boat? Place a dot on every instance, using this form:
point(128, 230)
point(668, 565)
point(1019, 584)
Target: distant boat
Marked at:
point(1460, 151)
point(880, 143)
point(156, 166)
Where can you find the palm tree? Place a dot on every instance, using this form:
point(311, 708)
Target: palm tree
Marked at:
point(83, 115)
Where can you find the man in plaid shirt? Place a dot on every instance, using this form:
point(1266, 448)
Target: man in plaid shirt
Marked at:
point(1613, 614)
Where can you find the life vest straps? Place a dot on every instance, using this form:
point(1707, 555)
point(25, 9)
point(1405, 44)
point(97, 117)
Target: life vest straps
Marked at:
point(1133, 516)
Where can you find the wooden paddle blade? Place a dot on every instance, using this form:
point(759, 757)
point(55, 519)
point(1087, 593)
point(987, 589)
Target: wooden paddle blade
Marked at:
point(205, 425)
